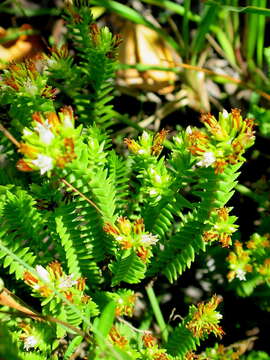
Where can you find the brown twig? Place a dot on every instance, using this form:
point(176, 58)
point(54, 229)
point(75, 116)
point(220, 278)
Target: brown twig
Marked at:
point(227, 77)
point(81, 195)
point(45, 318)
point(9, 136)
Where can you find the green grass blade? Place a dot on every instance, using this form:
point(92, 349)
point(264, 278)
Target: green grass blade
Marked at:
point(157, 312)
point(226, 46)
point(261, 35)
point(186, 27)
point(175, 8)
point(251, 39)
point(208, 19)
point(242, 9)
point(106, 320)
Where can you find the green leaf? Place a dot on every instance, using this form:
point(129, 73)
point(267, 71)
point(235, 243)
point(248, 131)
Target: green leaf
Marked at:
point(72, 347)
point(240, 9)
point(129, 269)
point(106, 321)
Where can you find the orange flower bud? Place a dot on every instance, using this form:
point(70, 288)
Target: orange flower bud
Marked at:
point(149, 340)
point(29, 279)
point(53, 120)
point(110, 229)
point(142, 252)
point(22, 165)
point(81, 283)
point(124, 225)
point(139, 226)
point(117, 338)
point(56, 268)
point(28, 150)
point(132, 145)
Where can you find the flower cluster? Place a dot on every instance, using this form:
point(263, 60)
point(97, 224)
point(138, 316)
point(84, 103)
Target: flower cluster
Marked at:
point(29, 337)
point(34, 335)
point(125, 302)
point(152, 350)
point(255, 259)
point(132, 236)
point(54, 278)
point(224, 141)
point(157, 182)
point(239, 261)
point(220, 352)
point(116, 338)
point(222, 227)
point(50, 144)
point(205, 319)
point(29, 78)
point(147, 145)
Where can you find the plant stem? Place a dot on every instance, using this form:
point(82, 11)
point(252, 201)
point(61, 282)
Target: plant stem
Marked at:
point(81, 195)
point(9, 136)
point(143, 67)
point(157, 312)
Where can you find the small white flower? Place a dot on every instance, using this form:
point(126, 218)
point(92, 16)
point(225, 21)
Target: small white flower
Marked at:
point(207, 160)
point(30, 342)
point(189, 130)
point(145, 136)
point(158, 178)
point(44, 132)
point(43, 273)
point(119, 238)
point(149, 239)
point(241, 274)
point(225, 113)
point(200, 75)
point(153, 192)
point(31, 88)
point(141, 152)
point(44, 163)
point(67, 281)
point(67, 121)
point(27, 132)
point(152, 171)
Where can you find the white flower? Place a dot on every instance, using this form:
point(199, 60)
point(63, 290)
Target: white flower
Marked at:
point(141, 152)
point(43, 273)
point(200, 75)
point(225, 113)
point(31, 88)
point(145, 136)
point(153, 192)
point(67, 282)
point(68, 121)
point(158, 178)
point(241, 274)
point(207, 160)
point(152, 171)
point(44, 132)
point(27, 132)
point(30, 342)
point(44, 163)
point(119, 238)
point(149, 239)
point(189, 130)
